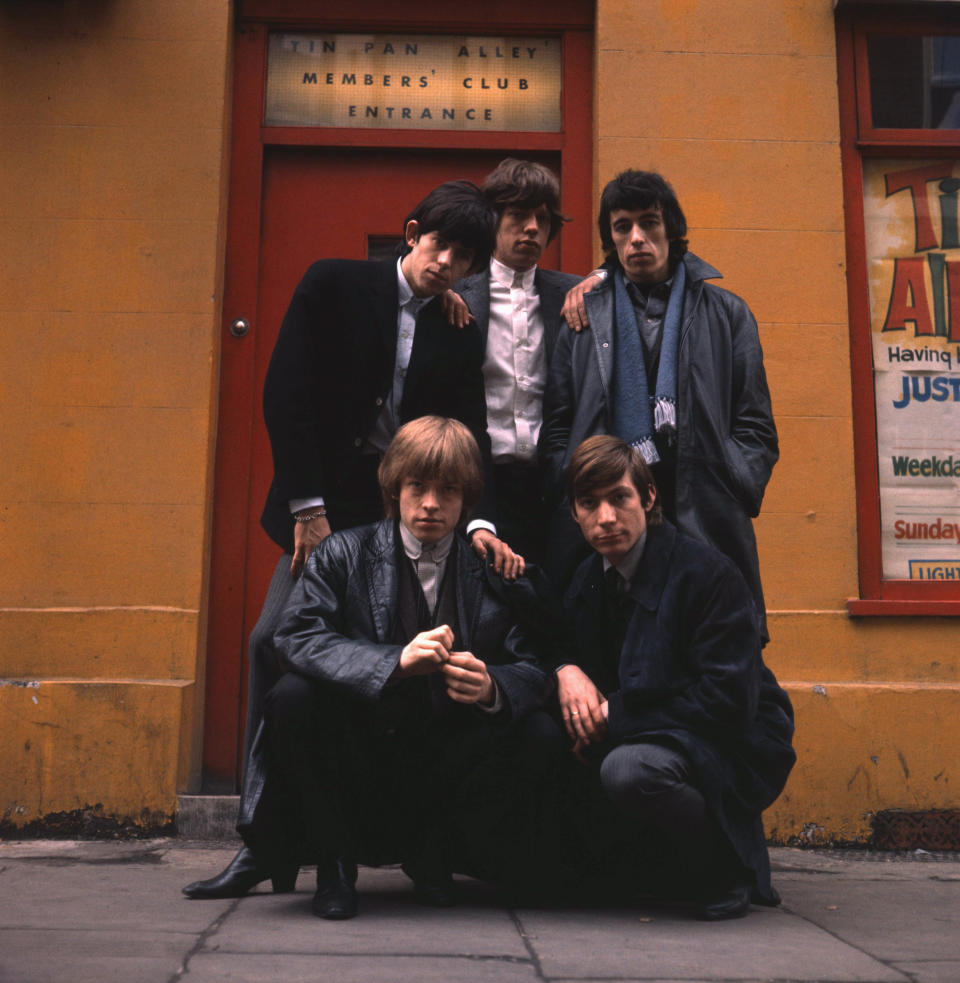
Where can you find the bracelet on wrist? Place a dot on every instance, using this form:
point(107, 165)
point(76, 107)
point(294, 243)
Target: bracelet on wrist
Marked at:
point(318, 513)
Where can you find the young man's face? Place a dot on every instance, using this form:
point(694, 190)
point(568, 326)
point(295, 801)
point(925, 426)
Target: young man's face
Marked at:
point(640, 238)
point(430, 509)
point(433, 264)
point(612, 519)
point(522, 236)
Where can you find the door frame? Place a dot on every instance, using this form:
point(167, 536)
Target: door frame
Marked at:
point(570, 20)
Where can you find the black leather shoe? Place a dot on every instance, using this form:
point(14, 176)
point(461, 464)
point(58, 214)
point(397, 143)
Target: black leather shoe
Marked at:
point(431, 887)
point(336, 896)
point(726, 903)
point(240, 875)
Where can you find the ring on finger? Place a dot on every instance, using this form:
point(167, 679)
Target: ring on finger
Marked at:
point(574, 713)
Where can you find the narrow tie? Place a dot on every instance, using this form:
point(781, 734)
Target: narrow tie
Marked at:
point(427, 572)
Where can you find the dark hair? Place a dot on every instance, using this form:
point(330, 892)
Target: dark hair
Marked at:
point(601, 461)
point(431, 448)
point(524, 184)
point(458, 212)
point(642, 189)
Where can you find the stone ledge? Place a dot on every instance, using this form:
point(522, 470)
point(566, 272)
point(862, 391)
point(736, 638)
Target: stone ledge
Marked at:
point(207, 817)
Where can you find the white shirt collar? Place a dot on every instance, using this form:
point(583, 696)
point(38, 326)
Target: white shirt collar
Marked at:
point(627, 566)
point(405, 295)
point(413, 547)
point(504, 275)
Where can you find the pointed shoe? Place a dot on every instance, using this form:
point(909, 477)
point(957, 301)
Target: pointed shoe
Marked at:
point(241, 875)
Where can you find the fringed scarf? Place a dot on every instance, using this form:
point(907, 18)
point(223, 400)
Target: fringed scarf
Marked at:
point(632, 403)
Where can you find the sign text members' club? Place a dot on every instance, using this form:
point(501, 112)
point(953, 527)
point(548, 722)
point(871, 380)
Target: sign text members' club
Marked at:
point(422, 82)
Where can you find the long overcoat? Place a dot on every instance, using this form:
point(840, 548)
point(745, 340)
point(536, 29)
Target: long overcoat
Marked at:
point(691, 675)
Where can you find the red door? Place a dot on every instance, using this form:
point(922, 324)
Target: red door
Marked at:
point(317, 202)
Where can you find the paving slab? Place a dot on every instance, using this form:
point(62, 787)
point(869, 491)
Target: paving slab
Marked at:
point(213, 968)
point(911, 917)
point(109, 910)
point(390, 922)
point(55, 955)
point(933, 971)
point(87, 889)
point(667, 944)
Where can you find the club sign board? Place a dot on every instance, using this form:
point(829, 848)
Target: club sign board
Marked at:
point(424, 82)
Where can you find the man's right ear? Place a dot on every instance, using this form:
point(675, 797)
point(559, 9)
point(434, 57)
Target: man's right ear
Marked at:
point(412, 233)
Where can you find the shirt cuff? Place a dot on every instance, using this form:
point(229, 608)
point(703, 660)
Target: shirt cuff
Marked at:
point(602, 273)
point(474, 524)
point(296, 504)
point(497, 704)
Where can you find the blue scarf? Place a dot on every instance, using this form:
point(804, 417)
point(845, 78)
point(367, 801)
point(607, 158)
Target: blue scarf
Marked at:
point(632, 417)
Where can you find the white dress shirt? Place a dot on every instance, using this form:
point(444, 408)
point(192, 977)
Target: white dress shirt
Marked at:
point(515, 366)
point(429, 560)
point(514, 369)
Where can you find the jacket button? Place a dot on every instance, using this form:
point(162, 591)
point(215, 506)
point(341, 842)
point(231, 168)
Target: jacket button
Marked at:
point(606, 344)
point(357, 441)
point(379, 401)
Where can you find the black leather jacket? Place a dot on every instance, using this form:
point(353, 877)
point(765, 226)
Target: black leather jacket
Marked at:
point(340, 627)
point(727, 440)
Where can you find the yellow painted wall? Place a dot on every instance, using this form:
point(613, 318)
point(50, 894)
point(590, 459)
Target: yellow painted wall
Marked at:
point(113, 122)
point(736, 104)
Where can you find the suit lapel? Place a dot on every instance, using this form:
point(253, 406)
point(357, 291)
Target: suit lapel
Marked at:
point(590, 617)
point(475, 291)
point(651, 576)
point(469, 585)
point(384, 299)
point(382, 579)
point(551, 301)
point(427, 341)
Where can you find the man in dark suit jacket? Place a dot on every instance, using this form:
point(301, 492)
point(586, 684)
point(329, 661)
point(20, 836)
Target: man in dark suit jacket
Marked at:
point(667, 688)
point(362, 348)
point(405, 728)
point(516, 306)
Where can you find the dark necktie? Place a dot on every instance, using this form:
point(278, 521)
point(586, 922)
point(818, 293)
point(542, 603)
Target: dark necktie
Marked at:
point(618, 613)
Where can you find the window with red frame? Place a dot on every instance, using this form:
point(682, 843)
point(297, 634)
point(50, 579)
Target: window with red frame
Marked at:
point(900, 139)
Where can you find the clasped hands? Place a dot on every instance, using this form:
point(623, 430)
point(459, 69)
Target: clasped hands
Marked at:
point(583, 707)
point(466, 676)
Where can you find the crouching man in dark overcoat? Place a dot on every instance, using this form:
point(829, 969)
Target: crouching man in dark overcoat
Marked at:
point(407, 727)
point(667, 691)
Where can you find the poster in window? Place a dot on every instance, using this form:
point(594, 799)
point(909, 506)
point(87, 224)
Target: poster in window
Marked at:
point(913, 261)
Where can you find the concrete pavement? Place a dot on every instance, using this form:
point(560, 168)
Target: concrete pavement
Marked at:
point(72, 912)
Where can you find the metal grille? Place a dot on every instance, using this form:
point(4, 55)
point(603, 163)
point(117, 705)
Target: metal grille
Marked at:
point(933, 830)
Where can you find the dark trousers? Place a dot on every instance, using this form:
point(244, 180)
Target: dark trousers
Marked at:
point(390, 781)
point(521, 513)
point(365, 505)
point(654, 788)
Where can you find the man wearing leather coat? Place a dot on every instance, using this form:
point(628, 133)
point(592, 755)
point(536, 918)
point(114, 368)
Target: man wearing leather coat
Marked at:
point(407, 726)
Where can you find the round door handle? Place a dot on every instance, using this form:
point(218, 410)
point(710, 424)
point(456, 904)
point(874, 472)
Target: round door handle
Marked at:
point(240, 327)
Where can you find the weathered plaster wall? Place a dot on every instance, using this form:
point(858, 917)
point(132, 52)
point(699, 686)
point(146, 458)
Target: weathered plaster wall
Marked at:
point(112, 131)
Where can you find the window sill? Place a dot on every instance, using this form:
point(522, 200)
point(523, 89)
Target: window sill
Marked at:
point(858, 607)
